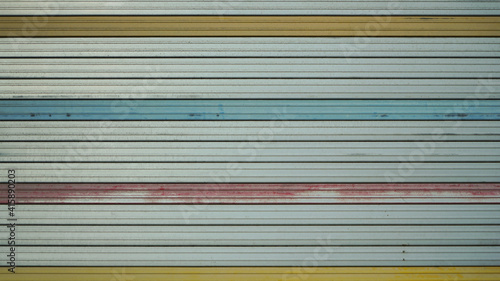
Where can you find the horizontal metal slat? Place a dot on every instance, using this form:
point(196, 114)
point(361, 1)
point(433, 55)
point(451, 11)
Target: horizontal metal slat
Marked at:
point(234, 172)
point(254, 193)
point(256, 235)
point(253, 273)
point(251, 26)
point(248, 152)
point(480, 89)
point(276, 214)
point(250, 68)
point(246, 131)
point(258, 256)
point(344, 47)
point(249, 110)
point(235, 7)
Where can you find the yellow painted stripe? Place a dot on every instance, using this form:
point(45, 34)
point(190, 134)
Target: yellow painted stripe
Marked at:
point(249, 273)
point(102, 26)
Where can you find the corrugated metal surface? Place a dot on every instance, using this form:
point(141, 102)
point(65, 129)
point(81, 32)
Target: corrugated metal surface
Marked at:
point(244, 152)
point(218, 193)
point(101, 184)
point(162, 68)
point(250, 110)
point(115, 235)
point(257, 273)
point(234, 88)
point(335, 172)
point(258, 256)
point(275, 214)
point(238, 7)
point(250, 26)
point(344, 47)
point(250, 131)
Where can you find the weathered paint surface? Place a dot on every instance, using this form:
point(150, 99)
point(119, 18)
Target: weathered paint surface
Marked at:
point(355, 256)
point(237, 88)
point(255, 26)
point(255, 273)
point(463, 193)
point(238, 47)
point(153, 69)
point(250, 131)
point(460, 73)
point(249, 110)
point(238, 7)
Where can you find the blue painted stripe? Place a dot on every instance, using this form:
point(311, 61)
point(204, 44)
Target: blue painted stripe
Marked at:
point(250, 109)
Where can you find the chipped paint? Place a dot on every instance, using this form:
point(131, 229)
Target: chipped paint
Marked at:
point(257, 193)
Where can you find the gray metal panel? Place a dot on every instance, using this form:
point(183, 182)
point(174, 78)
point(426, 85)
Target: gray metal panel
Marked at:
point(250, 68)
point(250, 131)
point(291, 233)
point(258, 256)
point(239, 7)
point(348, 214)
point(250, 88)
point(235, 172)
point(368, 235)
point(343, 47)
point(245, 152)
point(174, 235)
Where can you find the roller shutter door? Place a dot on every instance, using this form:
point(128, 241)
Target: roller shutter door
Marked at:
point(264, 140)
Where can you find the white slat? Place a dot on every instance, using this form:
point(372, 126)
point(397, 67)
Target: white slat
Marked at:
point(348, 214)
point(258, 256)
point(239, 152)
point(250, 88)
point(250, 68)
point(239, 7)
point(343, 47)
point(247, 152)
point(234, 172)
point(247, 131)
point(256, 235)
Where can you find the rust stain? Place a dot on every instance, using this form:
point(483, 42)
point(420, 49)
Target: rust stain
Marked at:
point(251, 193)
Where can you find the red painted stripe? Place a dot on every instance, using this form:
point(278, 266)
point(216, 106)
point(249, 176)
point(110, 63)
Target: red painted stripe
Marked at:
point(254, 193)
